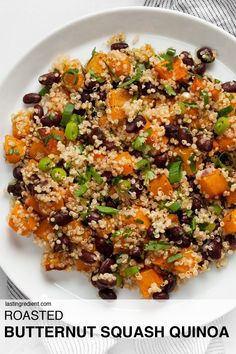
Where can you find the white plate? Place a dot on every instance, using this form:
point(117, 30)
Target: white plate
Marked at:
point(19, 257)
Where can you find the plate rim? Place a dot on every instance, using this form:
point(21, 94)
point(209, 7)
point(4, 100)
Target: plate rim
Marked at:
point(58, 29)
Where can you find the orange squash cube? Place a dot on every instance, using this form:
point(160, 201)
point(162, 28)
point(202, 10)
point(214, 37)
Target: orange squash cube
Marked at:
point(213, 184)
point(230, 222)
point(160, 184)
point(149, 277)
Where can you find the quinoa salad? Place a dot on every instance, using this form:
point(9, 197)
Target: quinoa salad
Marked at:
point(124, 168)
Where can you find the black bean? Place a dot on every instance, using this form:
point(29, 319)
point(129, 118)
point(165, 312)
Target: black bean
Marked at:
point(187, 58)
point(64, 244)
point(229, 86)
point(31, 98)
point(119, 46)
point(52, 119)
point(193, 185)
point(214, 250)
point(88, 257)
point(17, 172)
point(136, 125)
point(38, 111)
point(184, 135)
point(206, 55)
point(16, 189)
point(80, 112)
point(93, 216)
point(150, 231)
point(107, 294)
point(104, 247)
point(108, 175)
point(197, 203)
point(184, 219)
point(199, 69)
point(232, 241)
point(136, 188)
point(49, 78)
point(31, 188)
point(61, 218)
point(106, 265)
point(185, 242)
point(103, 95)
point(110, 202)
point(101, 283)
point(161, 160)
point(92, 86)
point(172, 131)
point(98, 133)
point(109, 145)
point(171, 278)
point(85, 96)
point(160, 296)
point(136, 253)
point(204, 144)
point(174, 233)
point(148, 88)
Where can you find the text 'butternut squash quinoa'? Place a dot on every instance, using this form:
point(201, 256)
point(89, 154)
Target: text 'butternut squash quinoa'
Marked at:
point(125, 168)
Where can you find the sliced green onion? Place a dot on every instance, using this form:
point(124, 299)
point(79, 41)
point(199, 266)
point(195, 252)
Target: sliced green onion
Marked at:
point(45, 164)
point(106, 210)
point(169, 90)
point(193, 225)
point(156, 246)
point(207, 227)
point(217, 209)
point(175, 171)
point(174, 258)
point(44, 90)
point(124, 185)
point(189, 213)
point(129, 272)
point(142, 163)
point(221, 125)
point(205, 97)
point(76, 118)
point(58, 174)
point(174, 207)
point(192, 164)
point(71, 131)
point(66, 115)
point(81, 190)
point(225, 160)
point(225, 111)
point(171, 52)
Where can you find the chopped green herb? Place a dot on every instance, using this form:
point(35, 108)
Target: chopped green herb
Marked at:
point(129, 272)
point(139, 72)
point(12, 151)
point(174, 258)
point(81, 190)
point(52, 136)
point(225, 111)
point(174, 207)
point(139, 143)
point(44, 91)
point(205, 97)
point(98, 178)
point(96, 77)
point(148, 176)
point(189, 213)
point(139, 221)
point(169, 90)
point(106, 210)
point(118, 280)
point(156, 246)
point(175, 171)
point(142, 163)
point(192, 160)
point(193, 225)
point(217, 209)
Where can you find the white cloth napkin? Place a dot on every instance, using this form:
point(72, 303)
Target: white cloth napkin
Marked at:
point(222, 13)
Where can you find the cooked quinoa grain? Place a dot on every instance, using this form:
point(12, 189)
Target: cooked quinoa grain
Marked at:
point(125, 168)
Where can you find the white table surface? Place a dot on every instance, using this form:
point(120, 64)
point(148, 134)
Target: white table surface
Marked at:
point(22, 24)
